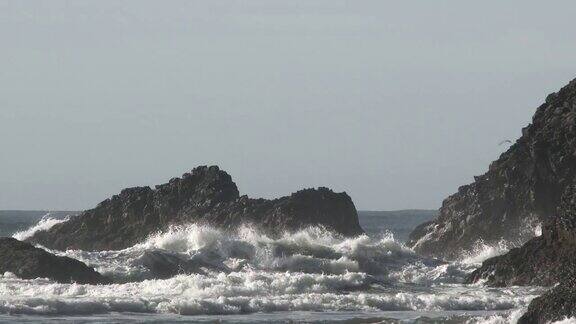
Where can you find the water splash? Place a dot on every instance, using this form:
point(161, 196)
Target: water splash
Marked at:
point(507, 318)
point(43, 225)
point(482, 252)
point(246, 271)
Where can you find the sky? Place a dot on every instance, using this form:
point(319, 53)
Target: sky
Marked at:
point(398, 103)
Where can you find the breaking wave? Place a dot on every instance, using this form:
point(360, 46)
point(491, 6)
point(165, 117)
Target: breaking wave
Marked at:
point(246, 271)
point(43, 225)
point(483, 252)
point(240, 293)
point(507, 318)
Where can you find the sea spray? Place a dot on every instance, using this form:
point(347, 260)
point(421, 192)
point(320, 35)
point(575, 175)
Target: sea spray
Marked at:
point(482, 252)
point(311, 250)
point(245, 292)
point(309, 270)
point(43, 225)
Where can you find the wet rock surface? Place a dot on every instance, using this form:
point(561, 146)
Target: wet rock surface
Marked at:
point(28, 262)
point(164, 264)
point(555, 305)
point(206, 195)
point(522, 188)
point(546, 260)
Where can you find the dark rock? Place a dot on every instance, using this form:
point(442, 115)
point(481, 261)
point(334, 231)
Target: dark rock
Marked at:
point(523, 187)
point(555, 305)
point(29, 262)
point(544, 260)
point(206, 195)
point(164, 264)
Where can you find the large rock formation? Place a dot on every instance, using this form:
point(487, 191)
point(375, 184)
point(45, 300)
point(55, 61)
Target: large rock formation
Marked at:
point(206, 195)
point(522, 188)
point(29, 262)
point(542, 261)
point(546, 260)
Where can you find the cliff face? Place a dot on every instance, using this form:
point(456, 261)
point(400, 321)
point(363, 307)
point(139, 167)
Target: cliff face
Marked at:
point(542, 261)
point(522, 188)
point(29, 262)
point(206, 195)
point(546, 260)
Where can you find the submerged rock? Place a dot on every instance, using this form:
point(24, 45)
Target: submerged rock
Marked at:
point(207, 195)
point(28, 262)
point(164, 264)
point(521, 189)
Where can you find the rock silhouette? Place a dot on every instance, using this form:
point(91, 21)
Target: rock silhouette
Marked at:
point(207, 195)
point(521, 189)
point(29, 262)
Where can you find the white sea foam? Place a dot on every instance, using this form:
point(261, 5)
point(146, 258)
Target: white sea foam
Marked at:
point(43, 225)
point(247, 271)
point(511, 317)
point(566, 321)
point(427, 273)
point(483, 252)
point(242, 292)
point(538, 230)
point(312, 250)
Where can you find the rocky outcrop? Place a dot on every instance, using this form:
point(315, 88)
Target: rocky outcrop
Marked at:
point(522, 188)
point(206, 195)
point(556, 305)
point(28, 262)
point(546, 260)
point(542, 261)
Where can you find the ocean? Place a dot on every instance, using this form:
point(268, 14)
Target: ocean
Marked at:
point(310, 276)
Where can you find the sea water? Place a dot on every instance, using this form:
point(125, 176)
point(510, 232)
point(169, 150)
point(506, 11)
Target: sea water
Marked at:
point(312, 275)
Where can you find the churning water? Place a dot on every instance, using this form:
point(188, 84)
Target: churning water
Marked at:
point(309, 276)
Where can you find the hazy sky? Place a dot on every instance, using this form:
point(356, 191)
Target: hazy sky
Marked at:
point(397, 103)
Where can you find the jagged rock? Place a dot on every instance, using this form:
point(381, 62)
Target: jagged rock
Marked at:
point(555, 305)
point(206, 195)
point(522, 188)
point(544, 260)
point(28, 262)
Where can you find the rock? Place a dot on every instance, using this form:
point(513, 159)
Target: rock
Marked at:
point(207, 195)
point(29, 262)
point(164, 264)
point(555, 305)
point(542, 261)
point(546, 260)
point(521, 189)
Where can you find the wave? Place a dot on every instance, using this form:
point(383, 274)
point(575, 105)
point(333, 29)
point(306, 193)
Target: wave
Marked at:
point(43, 225)
point(312, 250)
point(483, 252)
point(507, 318)
point(218, 272)
point(243, 292)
